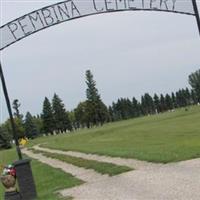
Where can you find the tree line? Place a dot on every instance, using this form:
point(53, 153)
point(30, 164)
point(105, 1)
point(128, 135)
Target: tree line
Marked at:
point(55, 119)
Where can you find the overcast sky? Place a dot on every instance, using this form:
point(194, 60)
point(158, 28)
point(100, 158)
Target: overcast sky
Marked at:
point(129, 53)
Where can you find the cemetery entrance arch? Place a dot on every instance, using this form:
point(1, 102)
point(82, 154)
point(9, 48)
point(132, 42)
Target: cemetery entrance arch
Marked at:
point(54, 14)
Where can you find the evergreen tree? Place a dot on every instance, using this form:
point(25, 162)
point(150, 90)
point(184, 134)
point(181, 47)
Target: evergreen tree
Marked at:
point(72, 119)
point(118, 109)
point(135, 108)
point(162, 103)
point(181, 98)
point(81, 115)
point(30, 127)
point(97, 110)
point(174, 100)
point(168, 102)
point(16, 106)
point(116, 112)
point(143, 106)
point(156, 103)
point(178, 99)
point(111, 114)
point(18, 120)
point(5, 138)
point(147, 104)
point(188, 97)
point(47, 117)
point(37, 120)
point(194, 81)
point(125, 108)
point(62, 122)
point(194, 97)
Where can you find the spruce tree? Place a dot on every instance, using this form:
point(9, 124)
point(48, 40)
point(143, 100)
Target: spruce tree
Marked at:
point(147, 104)
point(194, 97)
point(62, 122)
point(96, 109)
point(156, 103)
point(81, 115)
point(38, 123)
point(16, 106)
point(116, 112)
point(111, 114)
point(188, 96)
point(162, 103)
point(30, 127)
point(168, 102)
point(194, 81)
point(47, 117)
point(5, 138)
point(174, 100)
point(135, 107)
point(178, 99)
point(18, 119)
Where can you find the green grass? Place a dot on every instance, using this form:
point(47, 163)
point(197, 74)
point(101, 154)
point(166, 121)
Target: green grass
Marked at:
point(162, 138)
point(101, 167)
point(48, 180)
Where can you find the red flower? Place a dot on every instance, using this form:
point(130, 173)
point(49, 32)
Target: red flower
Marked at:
point(13, 172)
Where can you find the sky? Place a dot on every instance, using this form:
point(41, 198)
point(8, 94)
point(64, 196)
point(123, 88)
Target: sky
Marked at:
point(129, 54)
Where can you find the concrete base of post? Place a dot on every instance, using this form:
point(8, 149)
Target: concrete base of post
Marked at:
point(25, 179)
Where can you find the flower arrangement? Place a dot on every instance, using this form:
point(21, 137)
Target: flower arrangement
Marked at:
point(9, 170)
point(8, 178)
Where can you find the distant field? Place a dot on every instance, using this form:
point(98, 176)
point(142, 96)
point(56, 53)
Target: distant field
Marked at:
point(163, 138)
point(48, 180)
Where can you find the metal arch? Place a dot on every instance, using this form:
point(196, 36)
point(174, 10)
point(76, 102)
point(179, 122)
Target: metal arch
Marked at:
point(77, 17)
point(120, 10)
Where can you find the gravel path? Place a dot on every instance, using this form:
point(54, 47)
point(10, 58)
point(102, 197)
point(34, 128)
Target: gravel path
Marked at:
point(170, 182)
point(87, 175)
point(132, 163)
point(175, 181)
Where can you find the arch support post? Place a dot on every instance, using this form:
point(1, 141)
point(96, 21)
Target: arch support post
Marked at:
point(196, 14)
point(24, 174)
point(5, 91)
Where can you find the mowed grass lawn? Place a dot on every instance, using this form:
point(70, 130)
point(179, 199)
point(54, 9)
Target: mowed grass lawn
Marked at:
point(166, 137)
point(48, 180)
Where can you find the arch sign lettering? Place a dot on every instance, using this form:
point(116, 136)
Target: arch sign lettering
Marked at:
point(73, 9)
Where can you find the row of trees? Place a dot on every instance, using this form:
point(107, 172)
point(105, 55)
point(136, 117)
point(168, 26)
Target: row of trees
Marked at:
point(56, 119)
point(125, 108)
point(28, 126)
point(94, 112)
point(54, 116)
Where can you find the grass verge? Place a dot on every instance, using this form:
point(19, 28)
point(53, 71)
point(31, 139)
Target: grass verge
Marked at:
point(100, 167)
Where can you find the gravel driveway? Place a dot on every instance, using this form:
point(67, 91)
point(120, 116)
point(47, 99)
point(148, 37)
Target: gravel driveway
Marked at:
point(180, 181)
point(175, 181)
